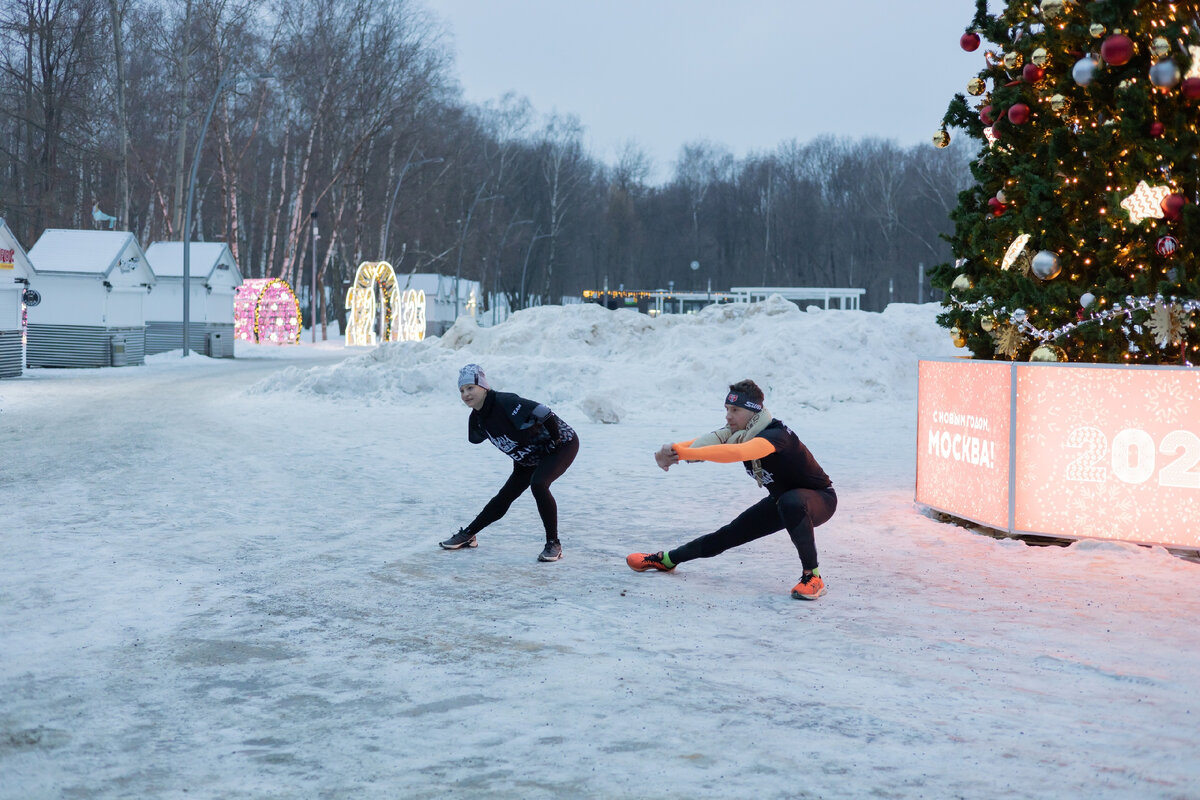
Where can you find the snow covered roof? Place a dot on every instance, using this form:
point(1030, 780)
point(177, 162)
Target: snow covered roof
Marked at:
point(166, 259)
point(83, 252)
point(13, 259)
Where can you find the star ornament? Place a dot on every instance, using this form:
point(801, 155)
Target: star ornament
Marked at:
point(1145, 202)
point(1194, 70)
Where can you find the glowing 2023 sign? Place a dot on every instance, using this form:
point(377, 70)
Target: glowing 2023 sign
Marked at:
point(1075, 451)
point(374, 301)
point(265, 310)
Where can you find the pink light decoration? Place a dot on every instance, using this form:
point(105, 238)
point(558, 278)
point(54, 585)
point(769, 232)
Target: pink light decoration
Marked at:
point(266, 311)
point(963, 438)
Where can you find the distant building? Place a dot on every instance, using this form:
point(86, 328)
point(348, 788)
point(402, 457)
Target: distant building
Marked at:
point(440, 309)
point(669, 301)
point(214, 277)
point(93, 287)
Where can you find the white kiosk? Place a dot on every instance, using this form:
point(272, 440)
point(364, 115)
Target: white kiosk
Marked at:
point(93, 285)
point(214, 278)
point(15, 275)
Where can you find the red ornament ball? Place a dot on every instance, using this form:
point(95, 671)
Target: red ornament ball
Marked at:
point(1032, 73)
point(1172, 206)
point(1156, 129)
point(1117, 50)
point(985, 115)
point(996, 206)
point(1167, 246)
point(1018, 114)
point(969, 42)
point(1191, 88)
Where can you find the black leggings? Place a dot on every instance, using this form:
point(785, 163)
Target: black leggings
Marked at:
point(798, 510)
point(538, 478)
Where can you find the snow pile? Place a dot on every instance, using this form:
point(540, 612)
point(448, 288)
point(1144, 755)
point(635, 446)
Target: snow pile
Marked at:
point(612, 361)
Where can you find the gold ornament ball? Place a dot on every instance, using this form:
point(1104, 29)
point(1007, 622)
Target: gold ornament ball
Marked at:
point(1058, 103)
point(962, 283)
point(1097, 30)
point(1040, 57)
point(941, 139)
point(1050, 353)
point(1160, 47)
point(958, 341)
point(1052, 9)
point(987, 323)
point(1013, 60)
point(976, 87)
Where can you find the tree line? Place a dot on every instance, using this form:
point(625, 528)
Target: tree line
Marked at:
point(345, 115)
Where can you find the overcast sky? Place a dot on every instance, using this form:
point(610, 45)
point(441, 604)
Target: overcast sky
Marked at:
point(748, 75)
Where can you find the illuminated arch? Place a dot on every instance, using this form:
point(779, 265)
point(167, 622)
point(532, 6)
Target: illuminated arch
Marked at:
point(265, 310)
point(401, 317)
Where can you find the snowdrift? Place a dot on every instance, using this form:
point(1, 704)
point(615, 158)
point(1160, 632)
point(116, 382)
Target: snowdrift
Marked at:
point(612, 363)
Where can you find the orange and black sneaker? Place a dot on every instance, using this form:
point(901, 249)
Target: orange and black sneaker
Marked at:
point(810, 587)
point(640, 562)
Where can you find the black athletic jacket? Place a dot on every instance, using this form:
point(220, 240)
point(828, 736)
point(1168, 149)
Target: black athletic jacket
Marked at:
point(524, 430)
point(791, 466)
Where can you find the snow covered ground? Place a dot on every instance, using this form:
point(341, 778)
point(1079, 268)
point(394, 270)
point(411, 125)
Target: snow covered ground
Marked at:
point(221, 579)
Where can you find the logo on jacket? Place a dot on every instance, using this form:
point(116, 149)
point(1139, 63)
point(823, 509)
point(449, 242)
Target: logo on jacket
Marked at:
point(503, 442)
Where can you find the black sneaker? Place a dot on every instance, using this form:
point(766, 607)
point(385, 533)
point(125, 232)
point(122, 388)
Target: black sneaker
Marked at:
point(552, 551)
point(459, 540)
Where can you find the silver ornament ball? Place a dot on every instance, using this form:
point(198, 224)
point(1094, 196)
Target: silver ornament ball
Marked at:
point(1084, 71)
point(1164, 74)
point(1045, 265)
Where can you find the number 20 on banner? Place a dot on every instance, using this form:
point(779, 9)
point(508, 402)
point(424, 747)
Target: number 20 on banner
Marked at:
point(1133, 457)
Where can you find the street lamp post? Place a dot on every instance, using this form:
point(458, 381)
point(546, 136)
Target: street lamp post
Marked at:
point(312, 317)
point(387, 222)
point(226, 81)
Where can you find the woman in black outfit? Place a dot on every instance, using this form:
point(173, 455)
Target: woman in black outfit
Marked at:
point(540, 444)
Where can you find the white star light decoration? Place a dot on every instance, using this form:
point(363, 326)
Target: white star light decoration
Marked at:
point(1145, 202)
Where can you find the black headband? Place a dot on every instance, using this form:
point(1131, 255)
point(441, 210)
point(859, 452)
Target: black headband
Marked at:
point(742, 400)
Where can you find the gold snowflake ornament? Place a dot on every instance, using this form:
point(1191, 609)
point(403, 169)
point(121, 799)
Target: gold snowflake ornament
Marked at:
point(1166, 323)
point(1008, 340)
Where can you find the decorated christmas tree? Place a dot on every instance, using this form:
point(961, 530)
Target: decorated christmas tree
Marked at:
point(1080, 240)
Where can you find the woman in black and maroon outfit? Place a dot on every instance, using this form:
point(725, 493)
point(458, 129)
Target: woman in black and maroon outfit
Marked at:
point(799, 497)
point(540, 444)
